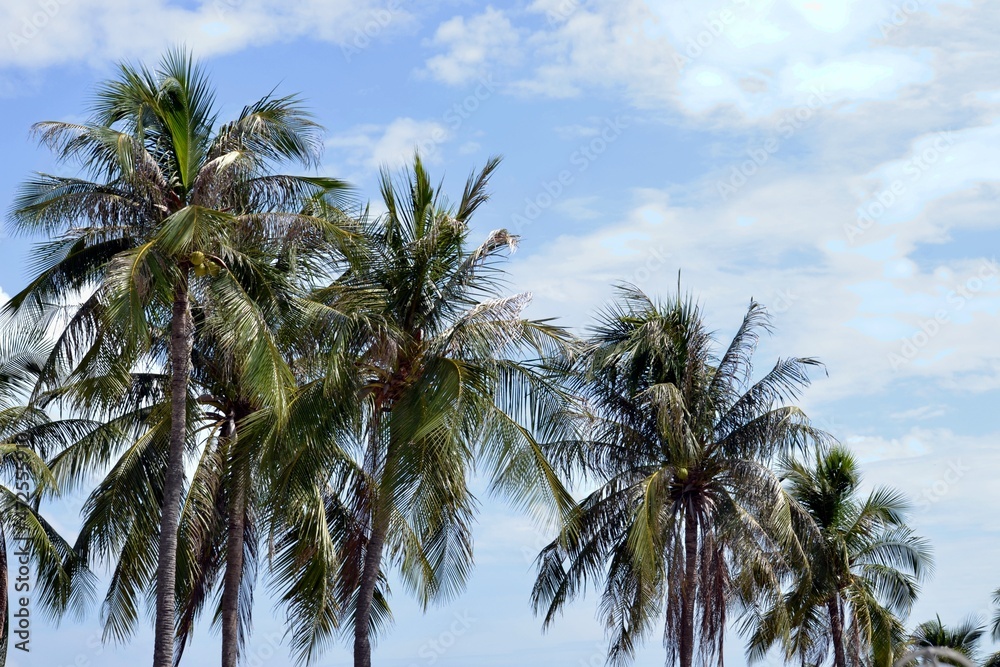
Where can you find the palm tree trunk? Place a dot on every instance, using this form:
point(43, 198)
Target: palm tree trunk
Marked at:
point(837, 630)
point(166, 567)
point(376, 459)
point(366, 592)
point(235, 543)
point(689, 589)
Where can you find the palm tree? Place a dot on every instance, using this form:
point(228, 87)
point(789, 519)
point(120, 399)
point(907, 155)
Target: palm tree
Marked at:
point(687, 518)
point(995, 620)
point(62, 581)
point(219, 519)
point(864, 565)
point(963, 638)
point(443, 373)
point(934, 642)
point(165, 191)
point(219, 528)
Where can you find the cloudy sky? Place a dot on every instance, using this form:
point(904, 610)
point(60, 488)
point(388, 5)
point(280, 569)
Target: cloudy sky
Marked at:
point(834, 159)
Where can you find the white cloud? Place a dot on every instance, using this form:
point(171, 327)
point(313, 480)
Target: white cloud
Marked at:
point(745, 59)
point(39, 33)
point(403, 136)
point(949, 478)
point(920, 413)
point(870, 310)
point(392, 145)
point(577, 131)
point(579, 208)
point(940, 471)
point(836, 227)
point(605, 44)
point(472, 46)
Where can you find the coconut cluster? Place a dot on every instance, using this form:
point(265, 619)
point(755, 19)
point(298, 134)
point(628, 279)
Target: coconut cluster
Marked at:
point(203, 266)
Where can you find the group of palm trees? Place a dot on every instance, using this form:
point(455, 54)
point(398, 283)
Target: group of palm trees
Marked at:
point(252, 377)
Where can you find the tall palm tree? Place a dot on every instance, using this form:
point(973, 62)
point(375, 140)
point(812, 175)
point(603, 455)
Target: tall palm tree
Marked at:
point(218, 514)
point(444, 374)
point(221, 519)
point(864, 565)
point(219, 527)
point(164, 190)
point(687, 518)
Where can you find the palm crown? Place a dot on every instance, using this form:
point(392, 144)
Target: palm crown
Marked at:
point(963, 638)
point(439, 364)
point(687, 514)
point(862, 571)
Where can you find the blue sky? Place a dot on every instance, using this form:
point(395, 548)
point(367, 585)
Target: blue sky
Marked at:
point(835, 160)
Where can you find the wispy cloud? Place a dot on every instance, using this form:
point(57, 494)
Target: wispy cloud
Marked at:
point(372, 146)
point(471, 46)
point(39, 33)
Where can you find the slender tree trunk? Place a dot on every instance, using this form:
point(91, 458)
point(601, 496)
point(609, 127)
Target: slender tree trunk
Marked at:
point(366, 592)
point(837, 630)
point(377, 461)
point(166, 568)
point(235, 543)
point(689, 589)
